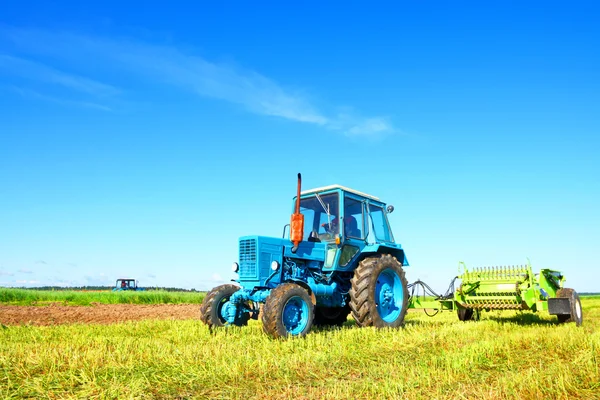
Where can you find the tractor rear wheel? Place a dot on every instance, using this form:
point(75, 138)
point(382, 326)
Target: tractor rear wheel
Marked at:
point(379, 296)
point(288, 311)
point(331, 316)
point(576, 313)
point(212, 306)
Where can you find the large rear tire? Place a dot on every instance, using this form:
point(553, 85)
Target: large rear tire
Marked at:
point(213, 303)
point(288, 311)
point(331, 316)
point(576, 312)
point(379, 296)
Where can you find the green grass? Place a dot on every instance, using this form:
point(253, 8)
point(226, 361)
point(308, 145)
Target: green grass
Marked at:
point(503, 356)
point(80, 298)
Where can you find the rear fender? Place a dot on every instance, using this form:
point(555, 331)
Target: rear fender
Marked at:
point(377, 248)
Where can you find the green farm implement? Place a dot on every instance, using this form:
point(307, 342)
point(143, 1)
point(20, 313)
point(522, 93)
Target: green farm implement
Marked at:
point(501, 288)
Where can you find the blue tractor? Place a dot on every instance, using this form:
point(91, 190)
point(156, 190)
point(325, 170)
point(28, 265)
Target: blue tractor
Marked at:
point(126, 284)
point(339, 257)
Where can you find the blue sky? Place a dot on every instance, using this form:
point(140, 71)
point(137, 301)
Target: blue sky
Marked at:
point(141, 141)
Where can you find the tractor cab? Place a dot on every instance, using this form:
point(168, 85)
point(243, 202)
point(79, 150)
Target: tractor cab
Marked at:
point(347, 223)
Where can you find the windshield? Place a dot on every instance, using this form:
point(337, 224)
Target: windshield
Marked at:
point(321, 216)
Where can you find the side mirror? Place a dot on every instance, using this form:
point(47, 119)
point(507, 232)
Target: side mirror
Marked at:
point(390, 209)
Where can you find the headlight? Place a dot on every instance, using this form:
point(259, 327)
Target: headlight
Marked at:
point(235, 267)
point(274, 265)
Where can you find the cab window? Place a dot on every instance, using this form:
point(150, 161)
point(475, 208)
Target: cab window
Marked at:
point(379, 221)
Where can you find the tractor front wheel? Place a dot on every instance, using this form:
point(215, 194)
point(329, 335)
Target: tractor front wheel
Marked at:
point(379, 296)
point(213, 304)
point(288, 311)
point(576, 313)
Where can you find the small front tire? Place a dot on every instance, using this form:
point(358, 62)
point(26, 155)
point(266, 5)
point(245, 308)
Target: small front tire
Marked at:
point(213, 303)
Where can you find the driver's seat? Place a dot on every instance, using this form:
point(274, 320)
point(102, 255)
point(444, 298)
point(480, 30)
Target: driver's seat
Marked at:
point(351, 227)
point(314, 237)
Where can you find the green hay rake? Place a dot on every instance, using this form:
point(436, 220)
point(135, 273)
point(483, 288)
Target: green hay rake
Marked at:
point(502, 288)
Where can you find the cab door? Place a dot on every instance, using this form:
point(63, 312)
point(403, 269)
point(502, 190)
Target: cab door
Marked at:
point(354, 232)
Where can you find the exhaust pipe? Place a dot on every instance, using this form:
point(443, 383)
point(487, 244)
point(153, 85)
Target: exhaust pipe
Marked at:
point(297, 222)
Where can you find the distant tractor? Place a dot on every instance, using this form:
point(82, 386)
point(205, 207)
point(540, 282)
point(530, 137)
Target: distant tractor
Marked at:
point(126, 284)
point(340, 258)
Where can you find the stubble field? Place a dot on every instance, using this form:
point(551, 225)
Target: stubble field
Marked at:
point(163, 351)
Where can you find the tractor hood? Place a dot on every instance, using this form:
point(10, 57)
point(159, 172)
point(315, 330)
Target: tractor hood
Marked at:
point(257, 253)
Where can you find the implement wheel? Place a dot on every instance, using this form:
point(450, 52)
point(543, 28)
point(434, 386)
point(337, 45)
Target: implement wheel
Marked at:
point(331, 316)
point(468, 314)
point(379, 296)
point(288, 311)
point(213, 305)
point(576, 313)
point(465, 314)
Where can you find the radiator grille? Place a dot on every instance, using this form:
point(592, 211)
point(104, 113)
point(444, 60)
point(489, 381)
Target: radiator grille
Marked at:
point(248, 258)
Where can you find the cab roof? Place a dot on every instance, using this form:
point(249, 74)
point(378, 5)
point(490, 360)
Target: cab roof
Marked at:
point(332, 187)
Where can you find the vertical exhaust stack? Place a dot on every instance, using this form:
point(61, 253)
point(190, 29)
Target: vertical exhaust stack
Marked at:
point(297, 222)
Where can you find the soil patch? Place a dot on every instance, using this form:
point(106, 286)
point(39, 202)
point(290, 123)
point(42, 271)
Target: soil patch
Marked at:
point(55, 314)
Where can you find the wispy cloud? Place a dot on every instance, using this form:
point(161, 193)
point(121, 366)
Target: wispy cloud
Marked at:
point(178, 68)
point(32, 70)
point(28, 93)
point(25, 271)
point(53, 85)
point(26, 282)
point(98, 280)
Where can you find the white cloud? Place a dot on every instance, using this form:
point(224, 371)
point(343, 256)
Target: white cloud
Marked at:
point(176, 67)
point(370, 126)
point(25, 271)
point(36, 71)
point(26, 282)
point(53, 99)
point(99, 279)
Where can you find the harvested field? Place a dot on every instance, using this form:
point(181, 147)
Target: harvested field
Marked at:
point(165, 352)
point(58, 314)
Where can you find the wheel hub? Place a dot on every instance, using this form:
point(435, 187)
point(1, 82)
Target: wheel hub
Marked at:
point(388, 292)
point(291, 315)
point(295, 315)
point(228, 312)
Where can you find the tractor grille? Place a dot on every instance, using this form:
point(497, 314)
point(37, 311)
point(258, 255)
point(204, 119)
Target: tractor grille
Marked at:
point(248, 258)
